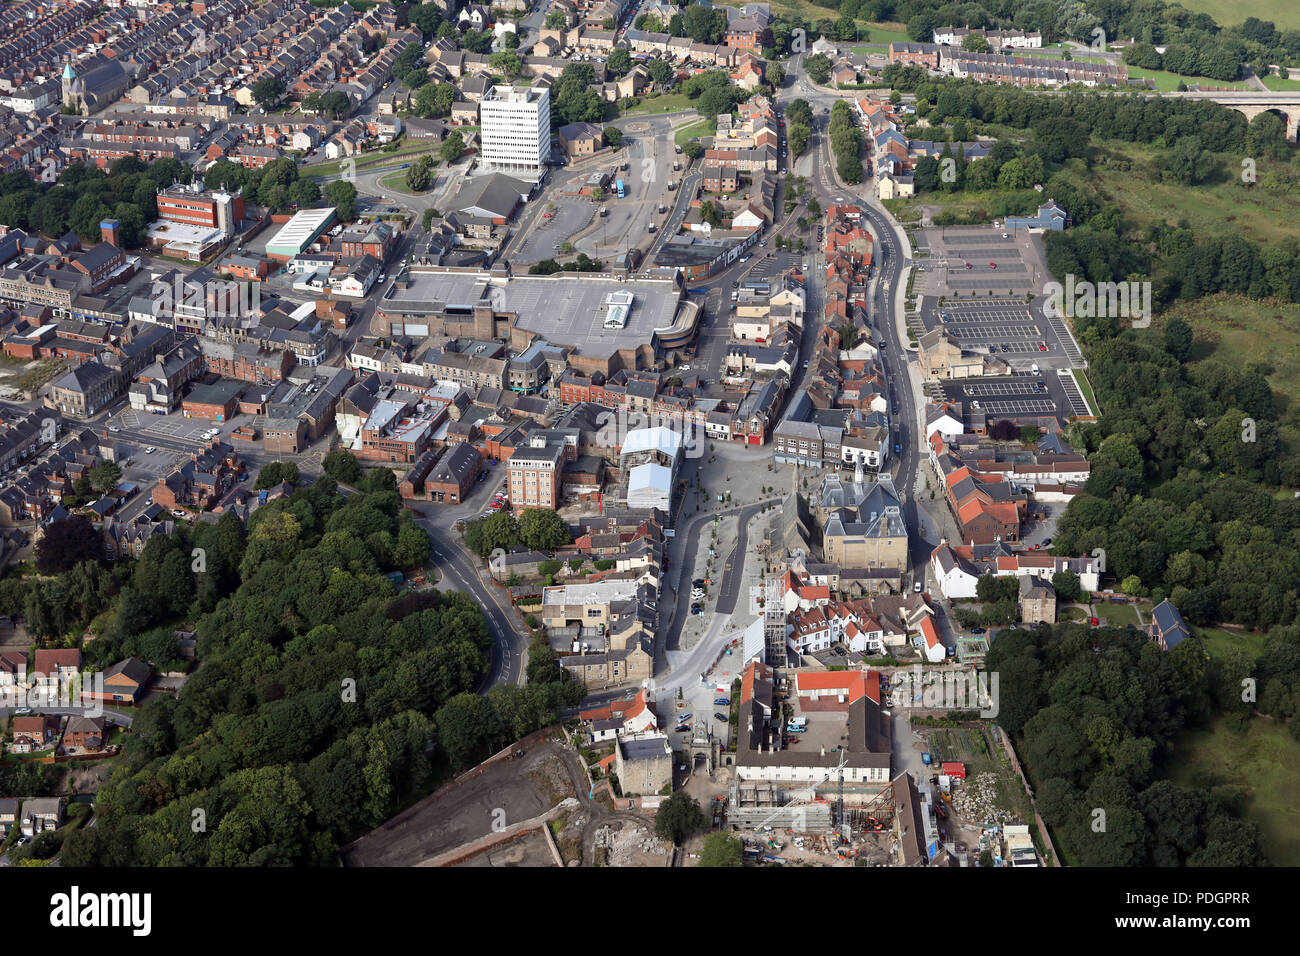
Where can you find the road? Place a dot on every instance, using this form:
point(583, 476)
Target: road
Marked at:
point(887, 299)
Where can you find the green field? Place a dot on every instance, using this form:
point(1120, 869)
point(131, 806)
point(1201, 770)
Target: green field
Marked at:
point(1285, 14)
point(1167, 82)
point(1219, 642)
point(1265, 763)
point(1279, 85)
point(663, 103)
point(687, 133)
point(1239, 330)
point(1126, 175)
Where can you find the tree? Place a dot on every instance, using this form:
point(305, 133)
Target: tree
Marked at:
point(613, 136)
point(67, 542)
point(419, 176)
point(105, 475)
point(555, 20)
point(267, 91)
point(276, 472)
point(341, 465)
point(486, 535)
point(775, 74)
point(797, 136)
point(818, 67)
point(721, 849)
point(542, 529)
point(679, 818)
point(619, 62)
point(452, 147)
point(974, 43)
point(342, 195)
point(1066, 585)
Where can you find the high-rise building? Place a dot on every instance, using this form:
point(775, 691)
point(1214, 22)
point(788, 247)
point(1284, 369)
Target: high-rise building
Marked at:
point(516, 128)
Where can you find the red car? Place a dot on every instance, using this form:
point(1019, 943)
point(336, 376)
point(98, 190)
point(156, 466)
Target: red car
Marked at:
point(1094, 622)
point(993, 265)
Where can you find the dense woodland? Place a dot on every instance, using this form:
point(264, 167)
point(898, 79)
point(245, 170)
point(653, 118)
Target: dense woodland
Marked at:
point(1095, 714)
point(323, 703)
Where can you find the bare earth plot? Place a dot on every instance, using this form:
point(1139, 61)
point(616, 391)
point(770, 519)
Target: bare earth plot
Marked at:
point(508, 792)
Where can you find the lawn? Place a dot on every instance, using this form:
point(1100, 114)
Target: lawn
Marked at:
point(1265, 763)
point(1239, 330)
point(1167, 82)
point(1116, 615)
point(1219, 642)
point(376, 158)
point(687, 133)
point(1279, 85)
point(661, 103)
point(1285, 14)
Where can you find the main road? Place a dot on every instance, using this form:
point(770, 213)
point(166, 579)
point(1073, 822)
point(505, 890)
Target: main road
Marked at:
point(887, 299)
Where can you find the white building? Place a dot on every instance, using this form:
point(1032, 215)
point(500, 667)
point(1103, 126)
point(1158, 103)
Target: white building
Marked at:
point(516, 128)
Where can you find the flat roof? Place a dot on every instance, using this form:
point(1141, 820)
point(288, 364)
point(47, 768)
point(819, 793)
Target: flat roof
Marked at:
point(565, 310)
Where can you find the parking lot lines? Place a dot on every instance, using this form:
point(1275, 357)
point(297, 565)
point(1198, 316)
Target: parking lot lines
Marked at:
point(1027, 406)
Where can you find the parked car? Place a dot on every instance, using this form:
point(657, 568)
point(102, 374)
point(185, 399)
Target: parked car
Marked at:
point(683, 718)
point(721, 717)
point(722, 701)
point(1046, 542)
point(917, 587)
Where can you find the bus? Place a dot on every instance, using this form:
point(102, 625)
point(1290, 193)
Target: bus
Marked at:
point(618, 186)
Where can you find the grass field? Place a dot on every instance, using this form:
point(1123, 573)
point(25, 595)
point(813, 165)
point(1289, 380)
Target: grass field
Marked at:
point(663, 103)
point(1279, 85)
point(1167, 82)
point(365, 160)
point(1265, 763)
point(1126, 175)
point(1239, 330)
point(1219, 642)
point(1285, 14)
point(686, 133)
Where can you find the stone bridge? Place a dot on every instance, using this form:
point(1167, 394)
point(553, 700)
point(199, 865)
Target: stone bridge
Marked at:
point(1252, 103)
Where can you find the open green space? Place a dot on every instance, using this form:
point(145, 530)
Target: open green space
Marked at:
point(1285, 14)
point(1264, 762)
point(1279, 85)
point(693, 131)
point(661, 103)
point(1116, 615)
point(1219, 642)
point(1126, 174)
point(1167, 82)
point(376, 158)
point(1238, 330)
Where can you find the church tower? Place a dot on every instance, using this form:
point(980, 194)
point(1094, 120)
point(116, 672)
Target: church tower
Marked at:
point(70, 86)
